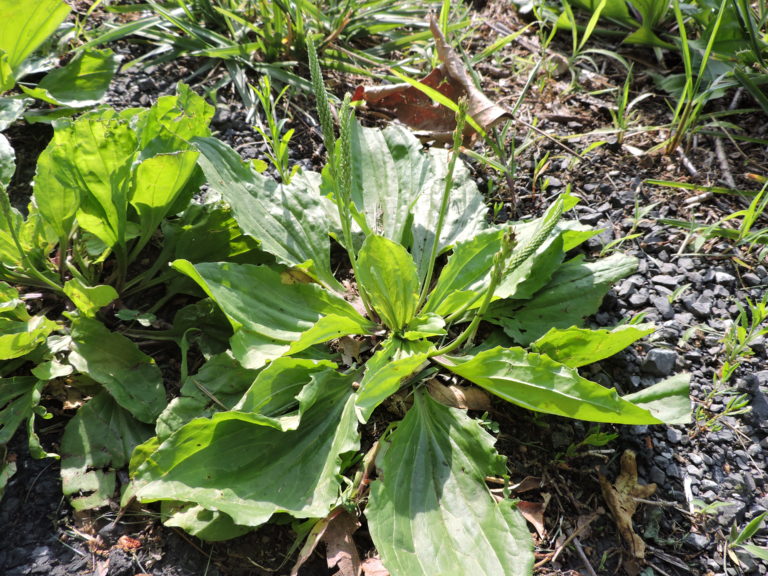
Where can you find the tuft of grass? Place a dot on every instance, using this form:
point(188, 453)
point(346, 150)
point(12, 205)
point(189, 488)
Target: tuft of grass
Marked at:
point(239, 38)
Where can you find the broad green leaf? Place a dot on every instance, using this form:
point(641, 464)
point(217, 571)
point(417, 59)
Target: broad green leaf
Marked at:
point(288, 220)
point(385, 270)
point(534, 272)
point(173, 121)
point(11, 109)
point(52, 369)
point(464, 218)
point(614, 9)
point(99, 153)
point(10, 304)
point(19, 395)
point(249, 470)
point(425, 326)
point(204, 324)
point(389, 171)
point(130, 376)
point(386, 371)
point(275, 389)
point(218, 385)
point(270, 319)
point(10, 257)
point(157, 183)
point(209, 233)
point(466, 274)
point(669, 400)
point(574, 292)
point(7, 77)
point(57, 193)
point(18, 337)
point(576, 347)
point(82, 82)
point(208, 525)
point(89, 299)
point(538, 383)
point(24, 26)
point(430, 512)
point(96, 442)
point(7, 470)
point(7, 161)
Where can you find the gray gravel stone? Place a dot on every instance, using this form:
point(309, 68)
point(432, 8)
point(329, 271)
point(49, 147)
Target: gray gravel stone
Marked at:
point(724, 278)
point(700, 307)
point(664, 307)
point(639, 299)
point(694, 458)
point(669, 281)
point(659, 362)
point(750, 279)
point(697, 541)
point(674, 435)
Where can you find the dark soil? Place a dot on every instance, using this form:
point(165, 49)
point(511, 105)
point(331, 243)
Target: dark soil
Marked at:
point(696, 468)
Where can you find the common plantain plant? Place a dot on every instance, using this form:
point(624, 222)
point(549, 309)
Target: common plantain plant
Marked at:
point(273, 425)
point(111, 206)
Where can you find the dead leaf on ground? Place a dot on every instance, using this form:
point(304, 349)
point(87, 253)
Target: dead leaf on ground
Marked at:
point(374, 567)
point(463, 397)
point(620, 497)
point(341, 551)
point(350, 349)
point(419, 112)
point(336, 531)
point(534, 513)
point(527, 484)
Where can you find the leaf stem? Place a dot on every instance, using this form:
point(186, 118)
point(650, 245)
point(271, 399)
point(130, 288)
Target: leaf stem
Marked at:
point(29, 267)
point(458, 134)
point(499, 265)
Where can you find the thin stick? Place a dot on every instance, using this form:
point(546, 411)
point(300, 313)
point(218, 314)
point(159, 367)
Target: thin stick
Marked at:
point(659, 570)
point(686, 162)
point(554, 139)
point(723, 161)
point(567, 541)
point(583, 557)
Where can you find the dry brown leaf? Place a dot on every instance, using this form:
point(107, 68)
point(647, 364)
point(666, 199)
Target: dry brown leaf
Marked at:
point(534, 513)
point(464, 397)
point(527, 484)
point(313, 539)
point(620, 497)
point(374, 567)
point(336, 531)
point(350, 349)
point(419, 112)
point(341, 551)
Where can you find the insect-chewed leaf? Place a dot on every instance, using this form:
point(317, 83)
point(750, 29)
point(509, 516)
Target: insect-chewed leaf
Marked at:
point(96, 442)
point(574, 292)
point(130, 376)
